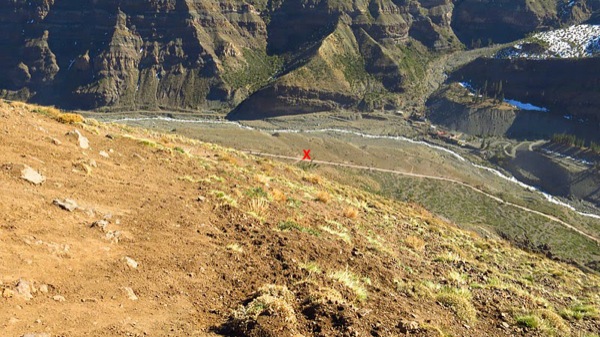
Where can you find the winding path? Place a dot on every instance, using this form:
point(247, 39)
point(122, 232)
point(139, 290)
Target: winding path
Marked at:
point(416, 175)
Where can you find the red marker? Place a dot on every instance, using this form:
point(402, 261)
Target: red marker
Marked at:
point(306, 155)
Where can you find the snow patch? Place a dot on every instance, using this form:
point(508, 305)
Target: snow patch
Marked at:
point(525, 106)
point(469, 87)
point(573, 42)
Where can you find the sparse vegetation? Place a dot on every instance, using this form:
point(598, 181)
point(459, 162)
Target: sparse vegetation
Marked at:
point(311, 267)
point(179, 150)
point(579, 312)
point(228, 158)
point(144, 141)
point(255, 72)
point(569, 140)
point(448, 257)
point(545, 320)
point(292, 225)
point(257, 192)
point(414, 243)
point(487, 217)
point(459, 299)
point(553, 323)
point(62, 117)
point(529, 321)
point(342, 235)
point(350, 280)
point(224, 197)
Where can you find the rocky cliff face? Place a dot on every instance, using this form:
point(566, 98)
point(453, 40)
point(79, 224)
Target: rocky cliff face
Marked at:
point(566, 87)
point(126, 54)
point(260, 57)
point(479, 22)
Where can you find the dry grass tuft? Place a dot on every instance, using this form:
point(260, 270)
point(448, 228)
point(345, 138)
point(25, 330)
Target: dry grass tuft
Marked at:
point(267, 167)
point(545, 320)
point(228, 158)
point(323, 197)
point(279, 196)
point(554, 322)
point(459, 300)
point(313, 179)
point(262, 179)
point(57, 115)
point(258, 208)
point(351, 281)
point(270, 299)
point(415, 243)
point(69, 118)
point(351, 213)
point(529, 321)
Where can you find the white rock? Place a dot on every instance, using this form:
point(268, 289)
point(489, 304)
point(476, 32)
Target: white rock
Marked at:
point(7, 293)
point(67, 204)
point(44, 288)
point(84, 143)
point(104, 154)
point(113, 235)
point(24, 289)
point(131, 262)
point(32, 176)
point(130, 293)
point(59, 298)
point(34, 334)
point(102, 224)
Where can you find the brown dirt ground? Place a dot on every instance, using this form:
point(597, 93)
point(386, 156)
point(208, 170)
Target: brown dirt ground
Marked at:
point(229, 244)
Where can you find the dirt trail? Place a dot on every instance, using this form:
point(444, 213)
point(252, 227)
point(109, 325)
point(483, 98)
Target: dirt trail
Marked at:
point(416, 175)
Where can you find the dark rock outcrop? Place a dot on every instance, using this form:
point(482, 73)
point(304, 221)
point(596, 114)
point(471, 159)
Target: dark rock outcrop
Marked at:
point(499, 21)
point(564, 86)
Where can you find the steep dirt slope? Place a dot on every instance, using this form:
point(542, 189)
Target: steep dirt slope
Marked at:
point(173, 237)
